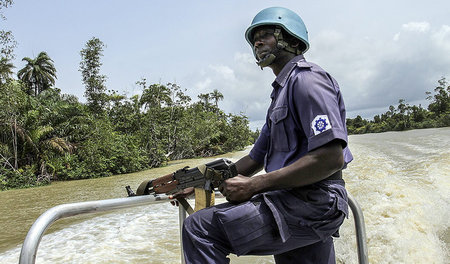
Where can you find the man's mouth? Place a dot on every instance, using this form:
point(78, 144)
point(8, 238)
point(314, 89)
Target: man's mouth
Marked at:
point(261, 55)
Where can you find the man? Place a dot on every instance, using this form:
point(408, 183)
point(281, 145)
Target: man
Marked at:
point(293, 210)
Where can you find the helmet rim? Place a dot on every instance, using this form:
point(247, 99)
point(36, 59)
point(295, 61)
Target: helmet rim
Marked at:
point(279, 16)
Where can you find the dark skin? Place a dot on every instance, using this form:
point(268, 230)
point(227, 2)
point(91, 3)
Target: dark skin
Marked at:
point(264, 42)
point(315, 166)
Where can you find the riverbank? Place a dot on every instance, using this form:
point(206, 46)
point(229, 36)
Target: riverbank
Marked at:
point(400, 179)
point(21, 207)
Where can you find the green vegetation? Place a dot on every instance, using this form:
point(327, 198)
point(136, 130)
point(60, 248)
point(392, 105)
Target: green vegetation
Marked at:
point(46, 135)
point(405, 116)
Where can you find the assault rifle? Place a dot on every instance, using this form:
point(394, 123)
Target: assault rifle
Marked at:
point(207, 176)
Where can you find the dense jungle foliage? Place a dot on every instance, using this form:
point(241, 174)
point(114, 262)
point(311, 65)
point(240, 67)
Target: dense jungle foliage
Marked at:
point(405, 116)
point(46, 135)
point(52, 136)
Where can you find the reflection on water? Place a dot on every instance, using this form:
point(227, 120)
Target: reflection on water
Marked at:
point(400, 179)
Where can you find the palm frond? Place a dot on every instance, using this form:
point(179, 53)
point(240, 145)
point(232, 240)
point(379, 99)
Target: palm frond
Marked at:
point(40, 132)
point(39, 73)
point(59, 144)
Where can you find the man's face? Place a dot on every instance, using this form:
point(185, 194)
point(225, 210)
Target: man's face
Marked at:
point(264, 42)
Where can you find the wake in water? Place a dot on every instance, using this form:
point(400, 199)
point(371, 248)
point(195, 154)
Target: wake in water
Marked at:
point(401, 181)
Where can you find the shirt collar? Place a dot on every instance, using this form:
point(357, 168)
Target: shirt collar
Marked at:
point(282, 77)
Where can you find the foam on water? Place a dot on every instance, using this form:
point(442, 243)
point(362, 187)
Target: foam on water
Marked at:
point(401, 181)
point(146, 234)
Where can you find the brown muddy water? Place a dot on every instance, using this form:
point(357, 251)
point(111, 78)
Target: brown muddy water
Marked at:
point(400, 179)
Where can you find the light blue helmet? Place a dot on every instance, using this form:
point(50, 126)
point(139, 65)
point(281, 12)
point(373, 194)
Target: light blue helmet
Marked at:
point(283, 17)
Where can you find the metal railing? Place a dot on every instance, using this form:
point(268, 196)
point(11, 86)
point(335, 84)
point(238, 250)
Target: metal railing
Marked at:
point(33, 238)
point(361, 238)
point(37, 230)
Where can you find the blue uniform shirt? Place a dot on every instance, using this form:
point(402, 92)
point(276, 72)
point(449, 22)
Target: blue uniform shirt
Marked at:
point(307, 111)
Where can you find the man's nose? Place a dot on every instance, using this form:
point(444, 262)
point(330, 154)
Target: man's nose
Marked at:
point(258, 43)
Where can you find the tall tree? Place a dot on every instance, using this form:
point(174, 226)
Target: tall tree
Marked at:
point(7, 42)
point(7, 45)
point(4, 4)
point(38, 74)
point(216, 96)
point(12, 102)
point(90, 70)
point(5, 70)
point(440, 101)
point(204, 99)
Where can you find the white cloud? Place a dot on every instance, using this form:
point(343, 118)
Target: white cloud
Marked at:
point(421, 27)
point(375, 73)
point(441, 38)
point(244, 58)
point(245, 87)
point(226, 72)
point(416, 26)
point(203, 85)
point(396, 37)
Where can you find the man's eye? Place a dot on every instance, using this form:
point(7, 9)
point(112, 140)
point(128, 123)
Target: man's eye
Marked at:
point(266, 35)
point(262, 36)
point(259, 37)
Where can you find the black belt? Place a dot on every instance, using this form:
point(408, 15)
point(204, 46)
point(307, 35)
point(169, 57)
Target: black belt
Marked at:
point(335, 176)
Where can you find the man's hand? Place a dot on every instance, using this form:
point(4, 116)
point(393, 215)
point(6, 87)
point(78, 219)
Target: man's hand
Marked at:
point(181, 194)
point(237, 189)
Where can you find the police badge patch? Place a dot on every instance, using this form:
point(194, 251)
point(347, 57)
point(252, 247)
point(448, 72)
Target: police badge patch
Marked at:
point(320, 123)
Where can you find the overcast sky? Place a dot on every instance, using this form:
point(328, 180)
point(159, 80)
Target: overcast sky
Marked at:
point(379, 51)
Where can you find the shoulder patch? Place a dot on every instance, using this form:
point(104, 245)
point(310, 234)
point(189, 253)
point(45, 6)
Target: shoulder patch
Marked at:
point(320, 124)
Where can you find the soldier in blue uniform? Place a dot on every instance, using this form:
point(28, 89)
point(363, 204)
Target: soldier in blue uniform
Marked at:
point(293, 210)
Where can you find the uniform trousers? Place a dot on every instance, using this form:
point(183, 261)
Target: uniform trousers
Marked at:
point(296, 226)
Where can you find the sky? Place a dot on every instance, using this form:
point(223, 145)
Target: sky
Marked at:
point(378, 51)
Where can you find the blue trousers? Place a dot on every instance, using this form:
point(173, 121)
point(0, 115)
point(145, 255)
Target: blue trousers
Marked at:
point(251, 228)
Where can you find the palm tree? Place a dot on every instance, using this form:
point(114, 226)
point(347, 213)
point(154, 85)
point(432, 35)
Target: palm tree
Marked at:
point(204, 98)
point(216, 96)
point(5, 70)
point(40, 145)
point(155, 95)
point(39, 74)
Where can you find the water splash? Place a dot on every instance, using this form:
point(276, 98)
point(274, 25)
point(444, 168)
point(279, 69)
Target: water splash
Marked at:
point(401, 180)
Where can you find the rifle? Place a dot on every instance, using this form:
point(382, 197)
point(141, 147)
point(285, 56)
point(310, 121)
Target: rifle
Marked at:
point(206, 176)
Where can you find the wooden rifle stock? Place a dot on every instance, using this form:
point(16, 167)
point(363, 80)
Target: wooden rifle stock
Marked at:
point(207, 176)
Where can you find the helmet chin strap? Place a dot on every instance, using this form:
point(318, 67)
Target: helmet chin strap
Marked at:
point(281, 44)
point(266, 61)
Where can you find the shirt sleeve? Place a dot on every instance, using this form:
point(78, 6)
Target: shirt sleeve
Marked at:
point(259, 150)
point(317, 104)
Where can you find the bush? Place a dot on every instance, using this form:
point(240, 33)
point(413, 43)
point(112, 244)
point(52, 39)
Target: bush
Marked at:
point(21, 178)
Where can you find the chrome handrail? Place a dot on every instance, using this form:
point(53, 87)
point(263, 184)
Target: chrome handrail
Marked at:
point(34, 236)
point(361, 238)
point(181, 217)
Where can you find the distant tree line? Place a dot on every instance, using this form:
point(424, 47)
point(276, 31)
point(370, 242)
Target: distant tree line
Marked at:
point(46, 135)
point(405, 116)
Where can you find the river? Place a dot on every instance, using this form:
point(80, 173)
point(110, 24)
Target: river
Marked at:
point(400, 179)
